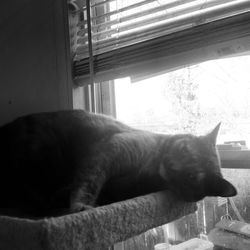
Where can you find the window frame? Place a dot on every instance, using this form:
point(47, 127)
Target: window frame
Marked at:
point(235, 159)
point(230, 159)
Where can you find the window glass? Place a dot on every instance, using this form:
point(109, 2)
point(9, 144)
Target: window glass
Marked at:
point(194, 100)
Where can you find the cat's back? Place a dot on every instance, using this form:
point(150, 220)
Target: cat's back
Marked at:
point(66, 124)
point(40, 153)
point(54, 139)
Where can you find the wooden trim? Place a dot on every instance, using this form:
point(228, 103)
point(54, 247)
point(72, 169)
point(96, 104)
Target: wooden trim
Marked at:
point(63, 54)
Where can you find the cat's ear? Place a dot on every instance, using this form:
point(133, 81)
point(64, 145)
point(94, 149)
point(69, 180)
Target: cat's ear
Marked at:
point(212, 136)
point(218, 186)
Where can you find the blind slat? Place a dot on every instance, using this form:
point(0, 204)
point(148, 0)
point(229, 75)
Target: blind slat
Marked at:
point(127, 8)
point(169, 26)
point(153, 10)
point(119, 21)
point(232, 28)
point(138, 14)
point(126, 32)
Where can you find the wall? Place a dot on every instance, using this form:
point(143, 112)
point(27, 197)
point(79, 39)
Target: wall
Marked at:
point(35, 66)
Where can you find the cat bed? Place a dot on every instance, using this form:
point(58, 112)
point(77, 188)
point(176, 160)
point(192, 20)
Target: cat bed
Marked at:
point(97, 228)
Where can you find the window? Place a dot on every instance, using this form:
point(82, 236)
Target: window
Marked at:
point(142, 37)
point(185, 57)
point(194, 99)
point(191, 99)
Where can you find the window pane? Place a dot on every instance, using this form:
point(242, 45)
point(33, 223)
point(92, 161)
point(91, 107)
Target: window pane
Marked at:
point(194, 100)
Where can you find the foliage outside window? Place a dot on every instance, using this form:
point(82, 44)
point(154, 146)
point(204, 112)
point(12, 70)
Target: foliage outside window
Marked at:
point(193, 100)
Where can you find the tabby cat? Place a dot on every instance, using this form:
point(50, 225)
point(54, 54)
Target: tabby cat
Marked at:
point(66, 161)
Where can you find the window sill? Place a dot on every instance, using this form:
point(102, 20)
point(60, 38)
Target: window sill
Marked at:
point(235, 158)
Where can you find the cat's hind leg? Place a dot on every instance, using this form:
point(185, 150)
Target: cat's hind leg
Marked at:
point(81, 200)
point(89, 183)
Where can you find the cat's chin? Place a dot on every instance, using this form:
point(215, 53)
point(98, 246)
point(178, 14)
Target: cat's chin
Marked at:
point(191, 198)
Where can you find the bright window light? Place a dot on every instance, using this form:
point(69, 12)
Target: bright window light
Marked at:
point(194, 100)
point(191, 100)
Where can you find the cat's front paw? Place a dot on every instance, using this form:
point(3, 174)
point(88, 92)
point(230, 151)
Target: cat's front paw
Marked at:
point(78, 207)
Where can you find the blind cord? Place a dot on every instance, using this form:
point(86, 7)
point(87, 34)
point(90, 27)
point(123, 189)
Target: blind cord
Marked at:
point(91, 58)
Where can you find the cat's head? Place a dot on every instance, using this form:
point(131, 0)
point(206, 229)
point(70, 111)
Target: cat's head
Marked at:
point(191, 167)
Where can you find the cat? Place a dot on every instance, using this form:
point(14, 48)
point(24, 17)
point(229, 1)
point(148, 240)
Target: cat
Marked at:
point(67, 161)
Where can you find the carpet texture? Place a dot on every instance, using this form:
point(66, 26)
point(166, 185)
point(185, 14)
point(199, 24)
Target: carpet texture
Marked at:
point(93, 229)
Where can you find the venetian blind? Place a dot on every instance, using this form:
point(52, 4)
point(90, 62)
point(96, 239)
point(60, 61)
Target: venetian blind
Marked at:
point(136, 36)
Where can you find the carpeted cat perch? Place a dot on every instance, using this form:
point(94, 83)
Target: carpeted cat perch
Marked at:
point(94, 229)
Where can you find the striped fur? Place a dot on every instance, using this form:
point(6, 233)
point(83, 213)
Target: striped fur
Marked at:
point(65, 161)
